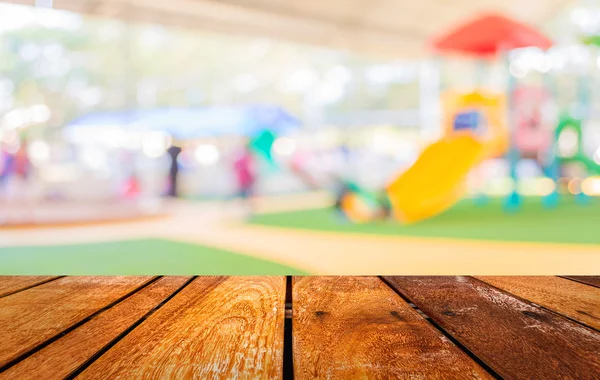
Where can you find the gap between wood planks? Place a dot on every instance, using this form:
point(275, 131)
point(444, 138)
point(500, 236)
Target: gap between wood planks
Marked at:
point(442, 330)
point(78, 324)
point(288, 353)
point(288, 365)
point(579, 280)
point(31, 286)
point(114, 341)
point(537, 305)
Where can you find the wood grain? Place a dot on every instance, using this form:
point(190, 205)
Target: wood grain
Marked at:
point(215, 328)
point(513, 337)
point(590, 280)
point(65, 355)
point(31, 317)
point(572, 299)
point(13, 284)
point(359, 328)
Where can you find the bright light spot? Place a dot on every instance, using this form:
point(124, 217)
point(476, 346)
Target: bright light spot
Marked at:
point(382, 142)
point(154, 144)
point(568, 143)
point(328, 93)
point(580, 16)
point(527, 186)
point(500, 186)
point(517, 69)
point(544, 64)
point(38, 151)
point(153, 37)
point(338, 74)
point(89, 97)
point(575, 186)
point(39, 113)
point(284, 146)
point(536, 186)
point(301, 80)
point(591, 186)
point(246, 83)
point(545, 186)
point(207, 154)
point(15, 119)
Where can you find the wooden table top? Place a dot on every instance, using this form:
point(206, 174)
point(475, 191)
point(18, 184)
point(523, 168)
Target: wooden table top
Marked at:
point(301, 327)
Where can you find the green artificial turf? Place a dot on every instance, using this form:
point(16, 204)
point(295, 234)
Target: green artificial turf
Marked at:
point(568, 223)
point(134, 257)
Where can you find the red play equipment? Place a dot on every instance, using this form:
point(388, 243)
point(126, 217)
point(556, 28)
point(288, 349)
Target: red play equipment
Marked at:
point(488, 36)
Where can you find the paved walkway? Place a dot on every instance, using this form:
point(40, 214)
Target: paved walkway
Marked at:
point(217, 224)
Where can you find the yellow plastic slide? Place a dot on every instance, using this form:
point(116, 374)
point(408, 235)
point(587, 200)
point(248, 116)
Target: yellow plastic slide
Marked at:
point(435, 181)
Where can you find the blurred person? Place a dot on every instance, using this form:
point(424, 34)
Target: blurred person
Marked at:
point(7, 159)
point(130, 185)
point(173, 151)
point(244, 167)
point(15, 180)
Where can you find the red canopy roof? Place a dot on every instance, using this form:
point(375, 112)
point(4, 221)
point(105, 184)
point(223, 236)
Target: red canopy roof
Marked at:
point(490, 35)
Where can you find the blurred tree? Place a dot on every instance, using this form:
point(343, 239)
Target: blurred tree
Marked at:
point(106, 64)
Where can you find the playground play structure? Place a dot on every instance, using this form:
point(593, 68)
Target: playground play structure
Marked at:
point(480, 125)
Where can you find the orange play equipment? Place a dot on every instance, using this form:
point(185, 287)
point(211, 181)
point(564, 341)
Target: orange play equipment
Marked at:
point(356, 208)
point(475, 129)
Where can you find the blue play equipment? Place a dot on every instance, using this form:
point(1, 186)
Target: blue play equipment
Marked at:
point(193, 122)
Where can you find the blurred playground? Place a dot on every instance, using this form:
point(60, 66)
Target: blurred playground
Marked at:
point(482, 156)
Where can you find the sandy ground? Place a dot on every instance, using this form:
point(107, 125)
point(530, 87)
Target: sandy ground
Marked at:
point(217, 224)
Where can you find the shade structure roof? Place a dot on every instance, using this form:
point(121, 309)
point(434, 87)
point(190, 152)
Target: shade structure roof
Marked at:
point(187, 123)
point(490, 35)
point(400, 28)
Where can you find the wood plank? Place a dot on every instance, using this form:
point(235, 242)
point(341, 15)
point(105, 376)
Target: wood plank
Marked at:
point(357, 327)
point(513, 337)
point(572, 299)
point(62, 357)
point(13, 284)
point(590, 280)
point(31, 317)
point(215, 328)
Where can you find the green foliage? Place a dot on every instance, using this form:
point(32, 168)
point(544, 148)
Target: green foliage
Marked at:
point(105, 65)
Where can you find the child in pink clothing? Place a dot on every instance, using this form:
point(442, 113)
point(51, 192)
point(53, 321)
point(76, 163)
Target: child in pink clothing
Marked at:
point(245, 173)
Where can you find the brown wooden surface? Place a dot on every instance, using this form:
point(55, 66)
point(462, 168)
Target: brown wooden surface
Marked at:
point(358, 328)
point(65, 355)
point(590, 280)
point(572, 299)
point(13, 284)
point(215, 328)
point(35, 315)
point(515, 338)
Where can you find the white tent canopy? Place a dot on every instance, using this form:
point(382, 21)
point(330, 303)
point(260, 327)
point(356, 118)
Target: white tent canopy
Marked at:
point(399, 28)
